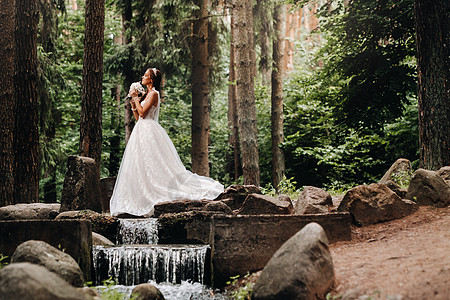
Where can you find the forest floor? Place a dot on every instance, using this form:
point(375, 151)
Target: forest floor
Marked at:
point(402, 259)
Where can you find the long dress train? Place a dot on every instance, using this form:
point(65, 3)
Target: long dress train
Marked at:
point(151, 172)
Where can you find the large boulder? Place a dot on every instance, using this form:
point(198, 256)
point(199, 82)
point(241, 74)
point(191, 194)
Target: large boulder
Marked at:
point(56, 261)
point(399, 172)
point(100, 240)
point(301, 269)
point(428, 188)
point(33, 282)
point(444, 173)
point(313, 200)
point(81, 189)
point(29, 211)
point(257, 204)
point(375, 203)
point(103, 224)
point(235, 195)
point(146, 291)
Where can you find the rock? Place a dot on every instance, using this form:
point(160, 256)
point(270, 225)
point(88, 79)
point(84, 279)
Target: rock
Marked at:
point(81, 188)
point(256, 204)
point(56, 261)
point(29, 211)
point(90, 293)
point(374, 203)
point(396, 188)
point(399, 172)
point(285, 198)
point(428, 188)
point(218, 206)
point(146, 291)
point(101, 223)
point(106, 189)
point(235, 195)
point(301, 269)
point(179, 206)
point(444, 173)
point(33, 282)
point(313, 200)
point(100, 240)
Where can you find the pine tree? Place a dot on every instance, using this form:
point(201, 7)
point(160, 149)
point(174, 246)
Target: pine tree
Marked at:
point(433, 65)
point(6, 102)
point(91, 98)
point(26, 132)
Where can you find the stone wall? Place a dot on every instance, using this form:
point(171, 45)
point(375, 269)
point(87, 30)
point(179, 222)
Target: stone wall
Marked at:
point(245, 243)
point(71, 236)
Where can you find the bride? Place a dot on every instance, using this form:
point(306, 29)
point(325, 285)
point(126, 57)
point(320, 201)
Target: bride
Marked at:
point(151, 170)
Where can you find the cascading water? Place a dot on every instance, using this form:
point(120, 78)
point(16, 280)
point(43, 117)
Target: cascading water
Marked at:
point(177, 270)
point(137, 231)
point(131, 265)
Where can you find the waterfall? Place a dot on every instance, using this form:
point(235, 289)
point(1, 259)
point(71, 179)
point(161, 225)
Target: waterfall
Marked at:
point(131, 265)
point(137, 231)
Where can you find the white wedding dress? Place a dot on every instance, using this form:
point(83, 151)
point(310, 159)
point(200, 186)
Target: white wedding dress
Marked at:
point(151, 172)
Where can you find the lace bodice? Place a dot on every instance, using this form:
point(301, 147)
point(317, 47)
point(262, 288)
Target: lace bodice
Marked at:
point(154, 110)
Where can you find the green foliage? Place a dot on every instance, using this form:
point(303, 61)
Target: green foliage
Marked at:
point(3, 261)
point(108, 292)
point(287, 186)
point(240, 292)
point(402, 178)
point(345, 120)
point(368, 56)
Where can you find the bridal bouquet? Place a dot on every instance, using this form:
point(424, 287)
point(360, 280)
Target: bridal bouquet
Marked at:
point(136, 87)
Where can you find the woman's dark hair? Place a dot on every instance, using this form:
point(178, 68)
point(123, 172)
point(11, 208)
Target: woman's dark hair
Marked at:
point(156, 77)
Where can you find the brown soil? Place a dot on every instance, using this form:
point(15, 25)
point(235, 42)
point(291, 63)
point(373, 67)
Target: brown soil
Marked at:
point(408, 258)
point(404, 259)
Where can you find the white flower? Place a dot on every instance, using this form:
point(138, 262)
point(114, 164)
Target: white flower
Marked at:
point(136, 87)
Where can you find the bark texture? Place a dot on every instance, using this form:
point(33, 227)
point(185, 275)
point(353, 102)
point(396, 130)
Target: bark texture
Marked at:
point(235, 165)
point(26, 135)
point(245, 72)
point(6, 102)
point(433, 70)
point(278, 166)
point(200, 91)
point(91, 98)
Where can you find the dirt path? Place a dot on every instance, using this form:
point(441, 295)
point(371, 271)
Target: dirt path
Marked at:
point(408, 258)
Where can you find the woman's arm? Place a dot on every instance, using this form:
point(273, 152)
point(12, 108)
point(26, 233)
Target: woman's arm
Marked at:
point(152, 98)
point(133, 102)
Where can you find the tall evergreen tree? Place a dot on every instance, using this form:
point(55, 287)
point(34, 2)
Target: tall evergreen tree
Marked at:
point(278, 166)
point(6, 102)
point(26, 133)
point(234, 161)
point(245, 92)
point(200, 90)
point(91, 98)
point(433, 65)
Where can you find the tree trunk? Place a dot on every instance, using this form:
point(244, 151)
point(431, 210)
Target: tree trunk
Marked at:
point(200, 91)
point(26, 135)
point(245, 93)
point(278, 167)
point(233, 139)
point(265, 30)
point(433, 69)
point(127, 72)
point(91, 98)
point(6, 102)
